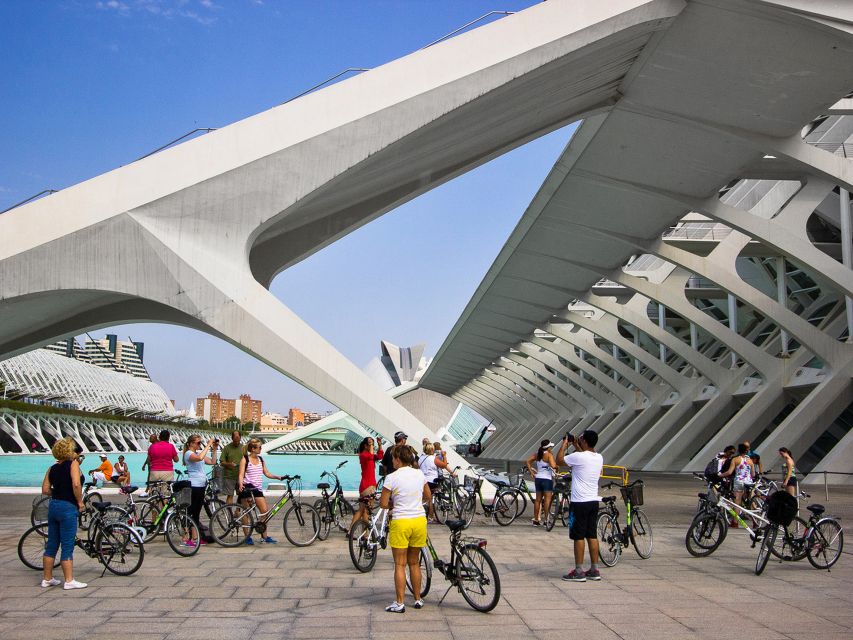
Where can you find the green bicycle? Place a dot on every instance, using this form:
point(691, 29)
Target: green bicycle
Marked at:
point(638, 529)
point(173, 520)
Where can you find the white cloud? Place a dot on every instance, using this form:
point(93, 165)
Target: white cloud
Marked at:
point(201, 11)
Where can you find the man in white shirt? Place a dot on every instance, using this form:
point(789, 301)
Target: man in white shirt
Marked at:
point(586, 467)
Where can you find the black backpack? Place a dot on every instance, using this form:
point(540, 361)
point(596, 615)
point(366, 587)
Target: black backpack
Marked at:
point(781, 508)
point(712, 470)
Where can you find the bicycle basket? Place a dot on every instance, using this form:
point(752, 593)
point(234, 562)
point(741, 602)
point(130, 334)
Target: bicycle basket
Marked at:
point(781, 508)
point(563, 484)
point(40, 507)
point(472, 484)
point(633, 494)
point(183, 492)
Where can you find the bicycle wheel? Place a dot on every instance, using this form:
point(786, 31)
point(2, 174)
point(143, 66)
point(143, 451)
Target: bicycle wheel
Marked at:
point(442, 508)
point(506, 508)
point(343, 515)
point(119, 549)
point(231, 524)
point(38, 514)
point(478, 578)
point(301, 524)
point(564, 510)
point(362, 547)
point(325, 527)
point(825, 544)
point(31, 547)
point(146, 516)
point(87, 511)
point(183, 533)
point(641, 533)
point(468, 510)
point(609, 545)
point(770, 532)
point(551, 516)
point(425, 563)
point(521, 499)
point(706, 533)
point(792, 546)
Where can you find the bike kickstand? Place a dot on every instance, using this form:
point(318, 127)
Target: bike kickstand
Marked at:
point(439, 602)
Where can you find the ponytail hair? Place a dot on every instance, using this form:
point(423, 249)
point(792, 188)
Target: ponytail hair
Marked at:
point(543, 447)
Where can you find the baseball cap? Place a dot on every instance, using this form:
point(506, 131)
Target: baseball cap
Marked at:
point(546, 444)
point(400, 436)
point(103, 455)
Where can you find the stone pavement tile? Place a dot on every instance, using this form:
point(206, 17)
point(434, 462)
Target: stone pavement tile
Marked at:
point(222, 604)
point(273, 604)
point(338, 581)
point(671, 631)
point(593, 632)
point(299, 592)
point(502, 632)
point(407, 635)
point(173, 604)
point(210, 592)
point(122, 604)
point(64, 604)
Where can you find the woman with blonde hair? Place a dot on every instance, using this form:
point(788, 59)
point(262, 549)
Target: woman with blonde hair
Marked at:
point(195, 457)
point(250, 481)
point(62, 483)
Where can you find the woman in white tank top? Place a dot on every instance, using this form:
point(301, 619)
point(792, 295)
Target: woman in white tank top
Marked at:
point(543, 478)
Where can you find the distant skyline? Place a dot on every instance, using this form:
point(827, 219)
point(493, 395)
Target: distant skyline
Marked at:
point(90, 85)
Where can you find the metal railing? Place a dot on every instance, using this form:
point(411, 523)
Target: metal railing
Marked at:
point(465, 26)
point(176, 141)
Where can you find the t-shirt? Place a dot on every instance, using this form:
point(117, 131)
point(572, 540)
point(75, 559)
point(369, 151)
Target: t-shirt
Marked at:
point(160, 456)
point(106, 468)
point(195, 470)
point(407, 490)
point(231, 453)
point(586, 473)
point(387, 462)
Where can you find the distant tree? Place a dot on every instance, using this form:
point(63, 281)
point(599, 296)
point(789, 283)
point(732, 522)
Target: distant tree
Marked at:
point(231, 423)
point(203, 424)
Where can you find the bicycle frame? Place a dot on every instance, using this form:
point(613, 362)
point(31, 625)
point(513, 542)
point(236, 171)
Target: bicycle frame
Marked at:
point(263, 518)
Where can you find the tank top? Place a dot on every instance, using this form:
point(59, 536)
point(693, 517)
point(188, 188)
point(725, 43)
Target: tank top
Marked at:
point(743, 473)
point(429, 469)
point(254, 474)
point(59, 477)
point(543, 470)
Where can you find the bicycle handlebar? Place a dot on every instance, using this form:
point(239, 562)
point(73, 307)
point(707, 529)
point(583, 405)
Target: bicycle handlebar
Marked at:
point(341, 464)
point(612, 484)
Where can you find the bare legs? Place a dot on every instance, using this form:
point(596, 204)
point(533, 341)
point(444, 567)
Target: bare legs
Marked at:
point(403, 557)
point(67, 568)
point(593, 551)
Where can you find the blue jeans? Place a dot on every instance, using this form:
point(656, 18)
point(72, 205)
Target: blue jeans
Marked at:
point(61, 529)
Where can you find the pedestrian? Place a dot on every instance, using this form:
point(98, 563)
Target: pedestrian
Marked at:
point(543, 478)
point(62, 483)
point(229, 459)
point(194, 458)
point(789, 481)
point(162, 457)
point(586, 466)
point(367, 459)
point(386, 466)
point(741, 472)
point(407, 533)
point(430, 465)
point(250, 481)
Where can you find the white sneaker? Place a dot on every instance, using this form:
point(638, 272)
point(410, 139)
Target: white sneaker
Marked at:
point(75, 585)
point(396, 607)
point(50, 583)
point(419, 604)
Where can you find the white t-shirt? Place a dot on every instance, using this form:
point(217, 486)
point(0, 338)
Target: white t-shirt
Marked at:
point(429, 468)
point(407, 490)
point(586, 472)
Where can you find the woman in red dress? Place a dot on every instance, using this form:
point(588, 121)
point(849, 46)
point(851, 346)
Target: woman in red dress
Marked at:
point(367, 458)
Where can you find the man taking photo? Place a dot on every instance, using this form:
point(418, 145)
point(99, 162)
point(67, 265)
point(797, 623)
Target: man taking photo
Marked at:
point(586, 466)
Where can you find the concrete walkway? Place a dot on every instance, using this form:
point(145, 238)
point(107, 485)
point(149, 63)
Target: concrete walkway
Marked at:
point(282, 591)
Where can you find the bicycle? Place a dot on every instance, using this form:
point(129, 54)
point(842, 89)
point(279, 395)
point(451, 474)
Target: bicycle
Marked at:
point(232, 524)
point(638, 529)
point(822, 542)
point(115, 545)
point(173, 520)
point(448, 498)
point(560, 501)
point(503, 507)
point(332, 506)
point(470, 569)
point(366, 538)
point(521, 491)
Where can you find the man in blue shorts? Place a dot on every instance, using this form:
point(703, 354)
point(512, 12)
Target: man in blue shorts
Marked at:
point(586, 466)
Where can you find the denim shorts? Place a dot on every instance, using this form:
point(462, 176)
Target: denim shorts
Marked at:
point(61, 529)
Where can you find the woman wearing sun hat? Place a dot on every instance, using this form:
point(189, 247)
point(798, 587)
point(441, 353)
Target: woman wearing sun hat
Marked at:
point(543, 478)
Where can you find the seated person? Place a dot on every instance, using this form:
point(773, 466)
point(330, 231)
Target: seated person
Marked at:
point(121, 473)
point(104, 472)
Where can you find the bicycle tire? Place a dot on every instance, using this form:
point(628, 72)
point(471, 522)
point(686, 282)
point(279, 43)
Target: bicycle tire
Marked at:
point(609, 544)
point(770, 532)
point(38, 514)
point(425, 563)
point(705, 534)
point(362, 547)
point(119, 549)
point(179, 529)
point(86, 513)
point(522, 501)
point(343, 515)
point(325, 526)
point(505, 508)
point(301, 524)
point(782, 548)
point(232, 524)
point(551, 516)
point(478, 578)
point(564, 510)
point(641, 534)
point(147, 514)
point(468, 510)
point(31, 547)
point(441, 507)
point(825, 543)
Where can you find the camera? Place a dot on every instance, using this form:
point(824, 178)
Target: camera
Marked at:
point(569, 436)
point(216, 441)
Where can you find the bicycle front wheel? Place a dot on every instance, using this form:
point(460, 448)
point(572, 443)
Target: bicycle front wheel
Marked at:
point(564, 510)
point(119, 549)
point(641, 533)
point(478, 578)
point(232, 524)
point(706, 533)
point(609, 545)
point(31, 547)
point(825, 544)
point(301, 524)
point(425, 564)
point(362, 547)
point(468, 509)
point(442, 508)
point(183, 533)
point(325, 527)
point(38, 514)
point(770, 532)
point(506, 508)
point(792, 546)
point(146, 515)
point(551, 516)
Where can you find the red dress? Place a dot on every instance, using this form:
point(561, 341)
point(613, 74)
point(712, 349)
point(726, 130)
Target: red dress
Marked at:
point(368, 461)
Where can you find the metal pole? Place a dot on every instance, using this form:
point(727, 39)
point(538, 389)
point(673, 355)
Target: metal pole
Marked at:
point(733, 323)
point(782, 297)
point(846, 252)
point(662, 325)
point(694, 343)
point(825, 486)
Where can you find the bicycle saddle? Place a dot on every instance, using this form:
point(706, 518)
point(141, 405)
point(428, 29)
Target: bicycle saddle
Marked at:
point(127, 490)
point(455, 525)
point(323, 485)
point(816, 509)
point(608, 499)
point(100, 506)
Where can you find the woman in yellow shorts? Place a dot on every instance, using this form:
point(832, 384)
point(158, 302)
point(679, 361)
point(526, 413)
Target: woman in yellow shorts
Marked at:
point(408, 490)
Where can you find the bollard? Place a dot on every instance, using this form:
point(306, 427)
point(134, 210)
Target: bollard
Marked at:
point(825, 486)
point(507, 469)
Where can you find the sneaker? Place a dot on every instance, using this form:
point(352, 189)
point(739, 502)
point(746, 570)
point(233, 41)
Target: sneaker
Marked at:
point(535, 523)
point(269, 540)
point(396, 607)
point(202, 541)
point(50, 583)
point(187, 543)
point(593, 574)
point(419, 604)
point(575, 576)
point(74, 585)
point(249, 541)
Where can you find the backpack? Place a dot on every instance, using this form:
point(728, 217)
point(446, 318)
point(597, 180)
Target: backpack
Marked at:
point(712, 470)
point(781, 508)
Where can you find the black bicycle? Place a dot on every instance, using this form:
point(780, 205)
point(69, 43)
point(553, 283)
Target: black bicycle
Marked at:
point(332, 506)
point(638, 529)
point(821, 542)
point(560, 500)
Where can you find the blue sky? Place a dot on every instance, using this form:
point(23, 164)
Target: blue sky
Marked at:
point(89, 85)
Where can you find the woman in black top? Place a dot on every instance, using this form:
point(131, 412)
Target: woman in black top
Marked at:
point(62, 483)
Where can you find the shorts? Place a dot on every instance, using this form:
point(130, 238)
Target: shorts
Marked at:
point(544, 485)
point(582, 517)
point(367, 492)
point(792, 482)
point(99, 477)
point(228, 486)
point(741, 486)
point(154, 476)
point(432, 486)
point(407, 532)
point(249, 492)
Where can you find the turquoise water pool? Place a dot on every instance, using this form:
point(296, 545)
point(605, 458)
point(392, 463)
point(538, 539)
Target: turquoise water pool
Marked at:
point(27, 470)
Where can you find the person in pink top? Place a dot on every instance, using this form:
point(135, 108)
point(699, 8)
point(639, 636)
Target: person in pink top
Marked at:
point(161, 460)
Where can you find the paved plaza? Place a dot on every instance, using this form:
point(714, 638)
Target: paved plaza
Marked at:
point(285, 592)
